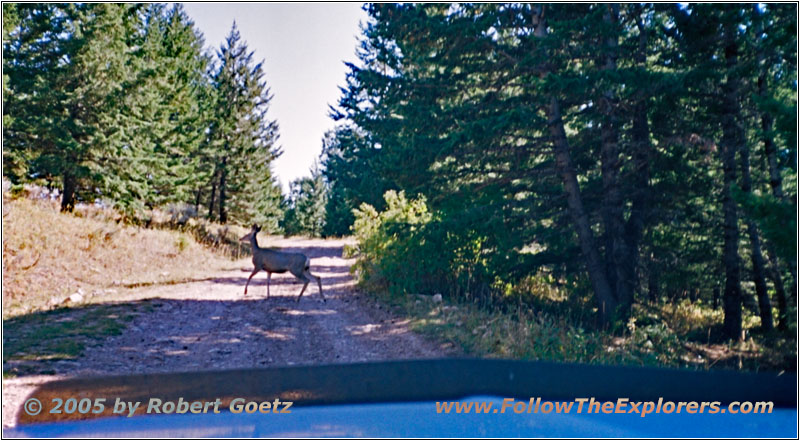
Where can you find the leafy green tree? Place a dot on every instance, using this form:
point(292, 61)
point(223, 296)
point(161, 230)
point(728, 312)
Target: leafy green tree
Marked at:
point(459, 102)
point(13, 159)
point(164, 114)
point(726, 55)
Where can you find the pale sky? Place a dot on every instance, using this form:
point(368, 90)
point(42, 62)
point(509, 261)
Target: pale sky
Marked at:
point(304, 47)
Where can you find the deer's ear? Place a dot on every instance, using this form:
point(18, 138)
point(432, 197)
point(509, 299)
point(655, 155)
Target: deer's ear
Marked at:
point(256, 227)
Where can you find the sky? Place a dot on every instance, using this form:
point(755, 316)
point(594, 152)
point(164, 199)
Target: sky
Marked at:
point(304, 47)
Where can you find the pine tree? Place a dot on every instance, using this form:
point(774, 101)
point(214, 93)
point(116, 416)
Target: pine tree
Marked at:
point(164, 114)
point(242, 140)
point(592, 132)
point(14, 165)
point(308, 197)
point(66, 68)
point(349, 169)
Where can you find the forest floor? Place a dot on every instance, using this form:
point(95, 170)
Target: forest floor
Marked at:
point(206, 323)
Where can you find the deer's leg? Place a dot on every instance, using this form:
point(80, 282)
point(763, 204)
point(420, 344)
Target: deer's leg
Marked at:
point(248, 280)
point(269, 277)
point(302, 291)
point(319, 283)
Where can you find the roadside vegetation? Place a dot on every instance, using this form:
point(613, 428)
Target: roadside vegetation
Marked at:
point(655, 335)
point(541, 317)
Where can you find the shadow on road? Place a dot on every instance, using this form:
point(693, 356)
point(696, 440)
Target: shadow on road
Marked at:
point(260, 279)
point(170, 335)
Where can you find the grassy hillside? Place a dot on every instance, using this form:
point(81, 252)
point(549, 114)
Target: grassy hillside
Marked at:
point(63, 274)
point(49, 256)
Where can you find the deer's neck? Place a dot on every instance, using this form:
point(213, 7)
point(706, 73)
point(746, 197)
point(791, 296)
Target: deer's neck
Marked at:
point(254, 243)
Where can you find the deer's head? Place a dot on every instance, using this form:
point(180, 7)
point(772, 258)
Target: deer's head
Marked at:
point(253, 231)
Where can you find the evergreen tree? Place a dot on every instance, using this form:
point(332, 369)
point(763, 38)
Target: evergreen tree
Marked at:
point(242, 141)
point(604, 136)
point(348, 166)
point(164, 113)
point(727, 57)
point(307, 201)
point(66, 68)
point(14, 166)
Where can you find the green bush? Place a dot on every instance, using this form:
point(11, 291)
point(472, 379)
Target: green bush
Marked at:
point(408, 249)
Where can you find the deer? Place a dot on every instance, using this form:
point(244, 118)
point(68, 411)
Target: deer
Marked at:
point(279, 262)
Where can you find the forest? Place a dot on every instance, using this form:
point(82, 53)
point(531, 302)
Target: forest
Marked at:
point(122, 103)
point(626, 154)
point(592, 161)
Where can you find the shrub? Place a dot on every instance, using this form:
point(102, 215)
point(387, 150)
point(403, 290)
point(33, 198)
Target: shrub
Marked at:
point(408, 249)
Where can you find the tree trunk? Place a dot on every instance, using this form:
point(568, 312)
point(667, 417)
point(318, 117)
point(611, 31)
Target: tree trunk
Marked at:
point(776, 183)
point(604, 294)
point(652, 283)
point(775, 179)
point(223, 214)
point(212, 200)
point(68, 196)
point(198, 196)
point(617, 255)
point(640, 193)
point(759, 277)
point(757, 259)
point(607, 302)
point(731, 138)
point(774, 272)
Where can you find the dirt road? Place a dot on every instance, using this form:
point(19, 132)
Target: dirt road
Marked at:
point(208, 324)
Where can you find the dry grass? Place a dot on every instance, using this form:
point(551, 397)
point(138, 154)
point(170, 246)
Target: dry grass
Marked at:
point(521, 333)
point(48, 256)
